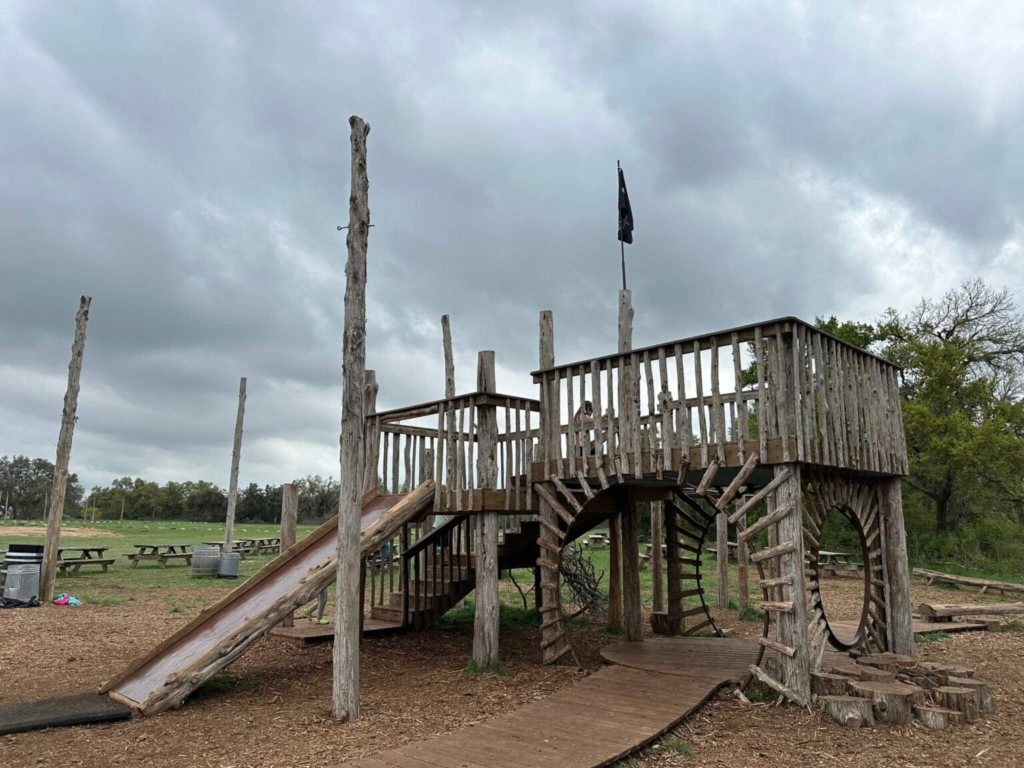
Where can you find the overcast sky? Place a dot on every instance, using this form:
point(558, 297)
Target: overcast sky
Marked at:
point(186, 164)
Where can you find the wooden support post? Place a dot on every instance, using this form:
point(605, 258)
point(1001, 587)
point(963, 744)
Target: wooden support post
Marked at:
point(675, 571)
point(722, 560)
point(631, 609)
point(289, 525)
point(625, 392)
point(743, 561)
point(486, 619)
point(60, 469)
point(657, 539)
point(900, 621)
point(349, 594)
point(236, 456)
point(792, 627)
point(615, 573)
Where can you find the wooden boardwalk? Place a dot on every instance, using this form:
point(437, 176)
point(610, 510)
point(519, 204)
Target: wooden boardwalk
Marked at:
point(595, 722)
point(305, 633)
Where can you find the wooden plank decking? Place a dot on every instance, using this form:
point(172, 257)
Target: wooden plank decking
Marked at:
point(305, 633)
point(595, 722)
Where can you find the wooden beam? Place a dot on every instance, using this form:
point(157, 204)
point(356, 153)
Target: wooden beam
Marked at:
point(236, 455)
point(348, 595)
point(289, 525)
point(485, 623)
point(60, 469)
point(631, 607)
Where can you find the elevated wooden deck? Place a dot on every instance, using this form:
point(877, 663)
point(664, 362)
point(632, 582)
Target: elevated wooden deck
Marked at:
point(650, 688)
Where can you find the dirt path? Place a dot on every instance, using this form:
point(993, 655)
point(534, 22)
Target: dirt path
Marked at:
point(272, 707)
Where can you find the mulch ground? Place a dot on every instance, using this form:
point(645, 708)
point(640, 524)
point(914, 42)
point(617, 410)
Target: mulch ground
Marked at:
point(272, 708)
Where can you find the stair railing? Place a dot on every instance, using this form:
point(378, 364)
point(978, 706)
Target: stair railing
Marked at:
point(434, 572)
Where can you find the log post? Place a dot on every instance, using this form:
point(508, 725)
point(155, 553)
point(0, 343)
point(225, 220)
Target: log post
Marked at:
point(657, 539)
point(289, 525)
point(486, 618)
point(631, 609)
point(792, 626)
point(743, 562)
point(625, 393)
point(722, 560)
point(236, 457)
point(348, 595)
point(900, 620)
point(449, 392)
point(60, 469)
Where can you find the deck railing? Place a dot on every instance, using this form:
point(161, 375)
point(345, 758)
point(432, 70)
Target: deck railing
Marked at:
point(406, 451)
point(783, 388)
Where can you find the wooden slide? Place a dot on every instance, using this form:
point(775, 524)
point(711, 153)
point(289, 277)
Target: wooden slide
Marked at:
point(165, 676)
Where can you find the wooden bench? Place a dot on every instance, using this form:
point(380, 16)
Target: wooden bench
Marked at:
point(162, 559)
point(984, 585)
point(945, 612)
point(77, 563)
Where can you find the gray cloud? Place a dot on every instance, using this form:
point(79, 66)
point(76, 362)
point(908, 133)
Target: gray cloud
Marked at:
point(186, 164)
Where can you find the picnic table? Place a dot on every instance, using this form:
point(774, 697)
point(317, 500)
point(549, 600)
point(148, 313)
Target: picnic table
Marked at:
point(734, 550)
point(82, 556)
point(271, 544)
point(833, 562)
point(242, 546)
point(161, 553)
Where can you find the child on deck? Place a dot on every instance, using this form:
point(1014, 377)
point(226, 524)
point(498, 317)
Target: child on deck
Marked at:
point(321, 603)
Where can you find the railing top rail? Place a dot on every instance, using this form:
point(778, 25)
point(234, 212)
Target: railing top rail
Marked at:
point(431, 408)
point(424, 542)
point(745, 333)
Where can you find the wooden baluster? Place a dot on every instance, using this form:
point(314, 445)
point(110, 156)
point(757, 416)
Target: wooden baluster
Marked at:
point(795, 372)
point(716, 400)
point(506, 455)
point(741, 430)
point(384, 453)
point(571, 433)
point(762, 411)
point(599, 427)
point(701, 419)
point(584, 429)
point(685, 426)
point(634, 414)
point(440, 478)
point(395, 449)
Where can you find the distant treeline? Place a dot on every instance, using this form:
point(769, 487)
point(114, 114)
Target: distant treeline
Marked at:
point(25, 488)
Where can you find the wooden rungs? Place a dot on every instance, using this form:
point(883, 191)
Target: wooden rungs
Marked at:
point(548, 643)
point(550, 623)
point(553, 528)
point(779, 607)
point(767, 521)
point(767, 554)
point(585, 485)
point(566, 493)
point(785, 650)
point(780, 581)
point(553, 548)
point(554, 503)
point(775, 685)
point(601, 476)
point(697, 628)
point(709, 476)
point(758, 497)
point(553, 585)
point(547, 564)
point(557, 656)
point(547, 609)
point(737, 482)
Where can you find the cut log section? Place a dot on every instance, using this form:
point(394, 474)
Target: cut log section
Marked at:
point(961, 699)
point(986, 703)
point(890, 662)
point(893, 702)
point(937, 718)
point(827, 684)
point(850, 711)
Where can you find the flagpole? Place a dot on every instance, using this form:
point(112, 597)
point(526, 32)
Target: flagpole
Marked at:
point(622, 245)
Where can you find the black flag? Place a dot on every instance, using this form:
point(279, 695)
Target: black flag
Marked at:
point(625, 212)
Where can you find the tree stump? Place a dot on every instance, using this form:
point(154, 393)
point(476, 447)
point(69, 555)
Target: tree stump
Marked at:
point(874, 674)
point(961, 699)
point(893, 702)
point(849, 711)
point(942, 672)
point(986, 702)
point(937, 718)
point(844, 668)
point(891, 662)
point(825, 684)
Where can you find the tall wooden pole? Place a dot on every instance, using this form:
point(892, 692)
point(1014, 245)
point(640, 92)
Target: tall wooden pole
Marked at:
point(348, 596)
point(548, 435)
point(625, 344)
point(632, 616)
point(289, 525)
point(449, 360)
point(485, 624)
point(236, 456)
point(60, 470)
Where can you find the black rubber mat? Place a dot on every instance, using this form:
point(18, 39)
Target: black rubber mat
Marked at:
point(66, 710)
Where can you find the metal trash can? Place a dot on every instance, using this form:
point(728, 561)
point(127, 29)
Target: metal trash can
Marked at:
point(22, 582)
point(228, 565)
point(21, 554)
point(206, 560)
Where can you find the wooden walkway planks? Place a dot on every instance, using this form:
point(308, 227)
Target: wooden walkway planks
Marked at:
point(595, 722)
point(305, 633)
